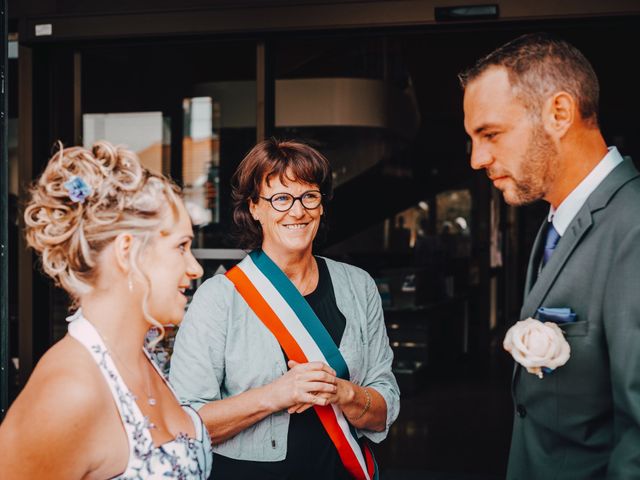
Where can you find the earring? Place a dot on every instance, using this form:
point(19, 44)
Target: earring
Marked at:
point(130, 284)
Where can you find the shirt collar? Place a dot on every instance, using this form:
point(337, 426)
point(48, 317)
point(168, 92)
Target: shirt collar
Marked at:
point(569, 208)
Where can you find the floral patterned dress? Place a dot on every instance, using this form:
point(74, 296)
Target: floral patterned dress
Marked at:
point(183, 458)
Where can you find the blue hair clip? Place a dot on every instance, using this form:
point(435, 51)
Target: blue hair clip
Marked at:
point(78, 189)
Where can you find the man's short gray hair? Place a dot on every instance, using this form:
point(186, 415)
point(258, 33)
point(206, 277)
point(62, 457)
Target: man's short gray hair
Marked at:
point(540, 65)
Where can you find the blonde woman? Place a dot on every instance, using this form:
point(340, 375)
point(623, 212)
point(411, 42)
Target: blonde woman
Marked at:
point(117, 238)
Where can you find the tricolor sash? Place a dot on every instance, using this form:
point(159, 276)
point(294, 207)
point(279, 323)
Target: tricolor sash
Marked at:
point(303, 337)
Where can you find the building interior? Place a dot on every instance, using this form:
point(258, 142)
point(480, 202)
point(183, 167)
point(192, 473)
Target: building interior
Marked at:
point(373, 86)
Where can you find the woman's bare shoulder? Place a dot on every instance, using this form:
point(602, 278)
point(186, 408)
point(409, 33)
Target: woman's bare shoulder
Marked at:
point(68, 370)
point(54, 417)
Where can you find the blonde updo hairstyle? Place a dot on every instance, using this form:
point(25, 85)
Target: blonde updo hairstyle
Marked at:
point(70, 235)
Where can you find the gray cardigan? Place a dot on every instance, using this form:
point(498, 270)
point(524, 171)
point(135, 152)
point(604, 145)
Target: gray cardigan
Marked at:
point(223, 349)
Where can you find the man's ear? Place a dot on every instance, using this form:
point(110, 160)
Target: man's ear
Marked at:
point(559, 113)
point(123, 244)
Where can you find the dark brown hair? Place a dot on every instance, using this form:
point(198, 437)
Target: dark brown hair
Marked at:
point(288, 159)
point(539, 65)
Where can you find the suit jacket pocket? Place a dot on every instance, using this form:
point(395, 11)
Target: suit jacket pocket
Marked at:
point(575, 329)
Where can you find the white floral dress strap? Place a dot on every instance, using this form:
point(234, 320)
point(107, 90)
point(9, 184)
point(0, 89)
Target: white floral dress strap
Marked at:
point(135, 423)
point(183, 458)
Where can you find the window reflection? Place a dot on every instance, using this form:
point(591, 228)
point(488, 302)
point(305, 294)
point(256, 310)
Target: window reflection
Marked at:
point(145, 133)
point(454, 218)
point(208, 96)
point(358, 123)
point(219, 128)
point(193, 121)
point(201, 160)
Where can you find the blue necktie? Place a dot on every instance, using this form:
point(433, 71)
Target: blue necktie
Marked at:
point(553, 237)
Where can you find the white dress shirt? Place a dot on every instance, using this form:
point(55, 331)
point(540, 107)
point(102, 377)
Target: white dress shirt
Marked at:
point(569, 208)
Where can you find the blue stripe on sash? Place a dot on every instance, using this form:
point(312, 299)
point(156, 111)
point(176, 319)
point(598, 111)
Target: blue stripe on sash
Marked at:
point(305, 313)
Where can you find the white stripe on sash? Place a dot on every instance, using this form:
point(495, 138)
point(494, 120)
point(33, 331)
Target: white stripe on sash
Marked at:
point(298, 331)
point(285, 313)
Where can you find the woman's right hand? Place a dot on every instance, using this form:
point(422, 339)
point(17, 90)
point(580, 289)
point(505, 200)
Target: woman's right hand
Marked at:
point(304, 383)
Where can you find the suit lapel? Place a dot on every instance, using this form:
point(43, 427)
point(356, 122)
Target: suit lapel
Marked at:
point(537, 287)
point(534, 258)
point(532, 275)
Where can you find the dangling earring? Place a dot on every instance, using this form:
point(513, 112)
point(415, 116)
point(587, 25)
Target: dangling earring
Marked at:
point(130, 283)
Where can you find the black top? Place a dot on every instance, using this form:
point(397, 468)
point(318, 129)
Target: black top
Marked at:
point(310, 452)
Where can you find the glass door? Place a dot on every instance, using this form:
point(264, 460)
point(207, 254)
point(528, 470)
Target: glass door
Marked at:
point(186, 108)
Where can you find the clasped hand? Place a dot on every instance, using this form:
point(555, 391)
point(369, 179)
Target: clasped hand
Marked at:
point(303, 386)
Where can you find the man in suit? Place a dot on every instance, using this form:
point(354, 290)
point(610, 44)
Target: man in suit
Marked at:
point(531, 111)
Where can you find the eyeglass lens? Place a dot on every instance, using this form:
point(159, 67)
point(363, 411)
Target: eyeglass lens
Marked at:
point(284, 201)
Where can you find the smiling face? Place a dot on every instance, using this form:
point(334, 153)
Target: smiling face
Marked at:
point(170, 266)
point(290, 232)
point(519, 156)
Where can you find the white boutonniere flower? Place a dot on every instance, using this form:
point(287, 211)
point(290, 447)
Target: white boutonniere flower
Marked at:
point(537, 346)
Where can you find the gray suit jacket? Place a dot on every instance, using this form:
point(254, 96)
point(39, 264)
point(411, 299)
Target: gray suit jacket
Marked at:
point(583, 420)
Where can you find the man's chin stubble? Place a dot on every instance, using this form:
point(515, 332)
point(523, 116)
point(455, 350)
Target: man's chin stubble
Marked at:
point(522, 197)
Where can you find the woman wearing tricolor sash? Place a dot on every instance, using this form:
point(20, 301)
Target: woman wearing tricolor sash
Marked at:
point(286, 356)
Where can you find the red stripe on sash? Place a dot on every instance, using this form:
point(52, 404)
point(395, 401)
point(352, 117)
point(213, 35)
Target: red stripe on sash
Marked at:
point(368, 456)
point(330, 423)
point(326, 414)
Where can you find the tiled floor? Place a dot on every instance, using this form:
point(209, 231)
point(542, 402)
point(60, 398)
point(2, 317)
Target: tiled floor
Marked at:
point(456, 427)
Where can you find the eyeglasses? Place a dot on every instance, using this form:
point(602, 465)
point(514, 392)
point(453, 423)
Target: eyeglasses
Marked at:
point(283, 202)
